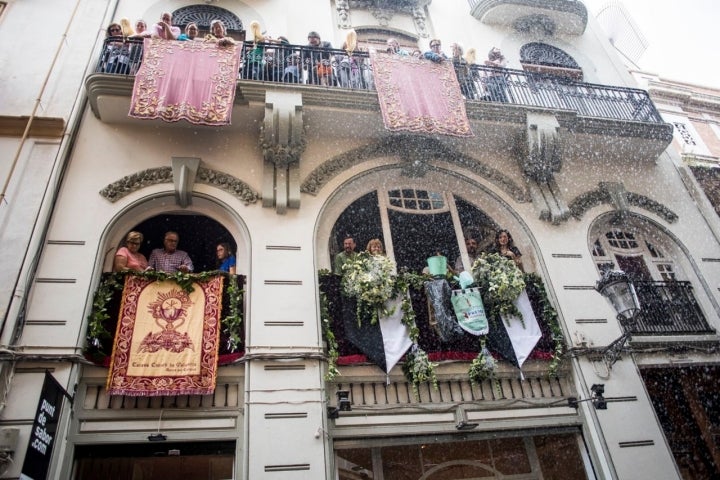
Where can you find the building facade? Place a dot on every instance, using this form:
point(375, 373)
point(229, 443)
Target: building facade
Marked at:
point(572, 158)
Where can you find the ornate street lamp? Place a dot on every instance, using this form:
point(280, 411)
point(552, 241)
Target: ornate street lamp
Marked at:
point(615, 285)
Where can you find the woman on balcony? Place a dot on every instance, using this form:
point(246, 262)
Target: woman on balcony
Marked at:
point(505, 246)
point(225, 258)
point(116, 58)
point(495, 80)
point(129, 258)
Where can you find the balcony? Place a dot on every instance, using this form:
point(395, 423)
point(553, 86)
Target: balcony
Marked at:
point(567, 17)
point(587, 112)
point(668, 308)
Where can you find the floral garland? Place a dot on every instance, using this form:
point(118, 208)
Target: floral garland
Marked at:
point(419, 369)
point(370, 280)
point(114, 282)
point(501, 281)
point(484, 367)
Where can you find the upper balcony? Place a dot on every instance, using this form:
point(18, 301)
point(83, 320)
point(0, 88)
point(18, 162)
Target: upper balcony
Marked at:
point(505, 97)
point(568, 17)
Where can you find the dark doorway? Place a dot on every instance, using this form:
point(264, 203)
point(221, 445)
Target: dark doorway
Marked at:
point(199, 235)
point(687, 404)
point(155, 461)
point(361, 220)
point(635, 267)
point(419, 236)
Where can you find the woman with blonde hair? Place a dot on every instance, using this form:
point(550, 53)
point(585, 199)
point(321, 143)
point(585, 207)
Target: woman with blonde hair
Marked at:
point(129, 258)
point(375, 247)
point(349, 65)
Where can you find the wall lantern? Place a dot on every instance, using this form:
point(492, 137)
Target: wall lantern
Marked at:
point(343, 404)
point(615, 285)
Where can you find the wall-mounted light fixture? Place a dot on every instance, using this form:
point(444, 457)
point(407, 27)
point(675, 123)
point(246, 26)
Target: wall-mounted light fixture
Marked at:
point(617, 288)
point(343, 404)
point(597, 398)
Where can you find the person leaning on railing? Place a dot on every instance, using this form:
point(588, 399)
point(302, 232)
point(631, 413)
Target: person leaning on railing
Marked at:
point(218, 34)
point(116, 57)
point(435, 54)
point(495, 79)
point(317, 60)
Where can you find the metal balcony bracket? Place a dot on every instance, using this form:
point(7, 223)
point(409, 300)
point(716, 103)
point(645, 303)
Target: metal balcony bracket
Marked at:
point(282, 140)
point(184, 171)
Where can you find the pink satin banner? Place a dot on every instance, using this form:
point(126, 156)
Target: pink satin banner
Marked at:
point(417, 95)
point(192, 80)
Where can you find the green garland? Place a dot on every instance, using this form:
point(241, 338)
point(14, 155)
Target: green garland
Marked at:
point(550, 316)
point(484, 367)
point(114, 282)
point(328, 334)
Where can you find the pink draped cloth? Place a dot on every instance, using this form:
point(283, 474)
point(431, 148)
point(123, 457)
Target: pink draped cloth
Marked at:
point(189, 80)
point(418, 95)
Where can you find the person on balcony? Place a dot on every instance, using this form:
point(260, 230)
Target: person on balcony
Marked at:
point(495, 79)
point(349, 65)
point(375, 247)
point(462, 71)
point(141, 30)
point(255, 57)
point(435, 54)
point(164, 28)
point(128, 257)
point(393, 48)
point(218, 34)
point(191, 32)
point(317, 59)
point(116, 57)
point(169, 259)
point(505, 246)
point(348, 254)
point(225, 258)
point(473, 251)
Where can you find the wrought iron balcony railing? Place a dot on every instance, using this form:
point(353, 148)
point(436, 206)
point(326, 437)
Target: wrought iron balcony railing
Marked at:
point(295, 64)
point(668, 308)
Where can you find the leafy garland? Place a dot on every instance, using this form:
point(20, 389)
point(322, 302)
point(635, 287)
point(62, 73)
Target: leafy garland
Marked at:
point(484, 367)
point(114, 282)
point(501, 282)
point(370, 280)
point(328, 334)
point(550, 316)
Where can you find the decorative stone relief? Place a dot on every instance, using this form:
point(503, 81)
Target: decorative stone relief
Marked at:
point(542, 156)
point(615, 193)
point(416, 153)
point(282, 141)
point(343, 9)
point(153, 176)
point(419, 17)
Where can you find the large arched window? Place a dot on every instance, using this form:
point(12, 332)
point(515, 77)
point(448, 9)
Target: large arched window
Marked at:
point(417, 218)
point(543, 58)
point(202, 15)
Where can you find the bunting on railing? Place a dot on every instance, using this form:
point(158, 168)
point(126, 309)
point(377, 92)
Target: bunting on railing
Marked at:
point(417, 95)
point(194, 81)
point(167, 339)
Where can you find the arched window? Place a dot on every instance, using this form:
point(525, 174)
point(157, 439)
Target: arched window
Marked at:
point(416, 221)
point(376, 38)
point(543, 58)
point(664, 279)
point(202, 15)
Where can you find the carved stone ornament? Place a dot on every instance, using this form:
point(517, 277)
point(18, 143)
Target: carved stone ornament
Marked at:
point(542, 156)
point(343, 9)
point(420, 21)
point(153, 176)
point(613, 193)
point(415, 153)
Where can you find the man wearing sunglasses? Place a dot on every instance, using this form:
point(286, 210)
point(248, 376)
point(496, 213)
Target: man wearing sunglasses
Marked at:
point(435, 54)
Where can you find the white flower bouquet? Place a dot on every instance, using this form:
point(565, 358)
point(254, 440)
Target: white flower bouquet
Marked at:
point(370, 279)
point(501, 282)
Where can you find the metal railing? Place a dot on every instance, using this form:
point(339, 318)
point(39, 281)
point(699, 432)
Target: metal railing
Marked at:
point(296, 64)
point(668, 308)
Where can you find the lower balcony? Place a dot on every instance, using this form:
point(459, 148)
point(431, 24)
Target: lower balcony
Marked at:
point(567, 17)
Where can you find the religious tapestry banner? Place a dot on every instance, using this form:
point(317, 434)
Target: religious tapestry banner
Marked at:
point(417, 95)
point(194, 81)
point(167, 339)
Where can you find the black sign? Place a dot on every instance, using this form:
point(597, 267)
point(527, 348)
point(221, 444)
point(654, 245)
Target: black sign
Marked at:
point(42, 436)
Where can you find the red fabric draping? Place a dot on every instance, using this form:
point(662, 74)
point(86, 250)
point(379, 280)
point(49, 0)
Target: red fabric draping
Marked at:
point(420, 96)
point(189, 80)
point(167, 340)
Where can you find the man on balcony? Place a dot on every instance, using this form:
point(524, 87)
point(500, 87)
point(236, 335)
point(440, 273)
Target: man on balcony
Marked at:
point(348, 254)
point(169, 259)
point(317, 60)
